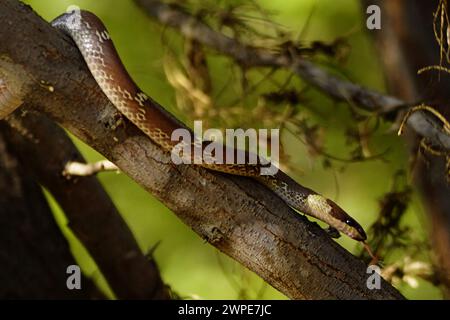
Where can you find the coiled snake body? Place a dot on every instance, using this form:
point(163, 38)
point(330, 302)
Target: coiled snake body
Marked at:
point(94, 43)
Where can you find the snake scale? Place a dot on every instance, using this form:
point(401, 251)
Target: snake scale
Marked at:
point(102, 59)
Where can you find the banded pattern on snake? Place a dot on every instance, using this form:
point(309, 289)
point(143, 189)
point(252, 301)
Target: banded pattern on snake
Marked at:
point(102, 59)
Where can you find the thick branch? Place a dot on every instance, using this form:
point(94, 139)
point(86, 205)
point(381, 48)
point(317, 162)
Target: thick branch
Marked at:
point(34, 255)
point(337, 88)
point(92, 216)
point(235, 214)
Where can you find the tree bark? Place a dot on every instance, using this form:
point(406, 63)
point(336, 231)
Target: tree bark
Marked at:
point(235, 214)
point(91, 214)
point(34, 255)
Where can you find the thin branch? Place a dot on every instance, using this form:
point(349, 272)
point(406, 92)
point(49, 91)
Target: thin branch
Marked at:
point(235, 214)
point(335, 87)
point(75, 168)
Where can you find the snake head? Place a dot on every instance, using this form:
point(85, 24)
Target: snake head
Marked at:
point(330, 213)
point(347, 224)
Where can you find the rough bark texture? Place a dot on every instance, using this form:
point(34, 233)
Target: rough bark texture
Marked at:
point(34, 255)
point(237, 215)
point(406, 43)
point(91, 214)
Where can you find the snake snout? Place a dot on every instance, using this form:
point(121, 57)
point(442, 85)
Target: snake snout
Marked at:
point(360, 235)
point(349, 226)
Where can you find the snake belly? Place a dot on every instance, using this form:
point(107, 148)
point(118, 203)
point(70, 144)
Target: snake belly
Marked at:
point(102, 59)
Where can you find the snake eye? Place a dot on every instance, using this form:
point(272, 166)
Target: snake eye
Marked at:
point(352, 223)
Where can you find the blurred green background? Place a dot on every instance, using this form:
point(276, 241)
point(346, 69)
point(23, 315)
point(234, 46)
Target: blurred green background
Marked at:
point(193, 268)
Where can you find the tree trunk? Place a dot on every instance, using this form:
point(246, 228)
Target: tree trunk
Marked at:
point(406, 43)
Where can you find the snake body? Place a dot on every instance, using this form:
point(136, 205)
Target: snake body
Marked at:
point(102, 59)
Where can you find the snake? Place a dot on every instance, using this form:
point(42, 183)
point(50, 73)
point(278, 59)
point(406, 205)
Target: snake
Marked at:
point(101, 57)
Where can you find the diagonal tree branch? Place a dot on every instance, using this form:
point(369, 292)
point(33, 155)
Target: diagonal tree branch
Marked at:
point(34, 255)
point(337, 88)
point(92, 216)
point(237, 215)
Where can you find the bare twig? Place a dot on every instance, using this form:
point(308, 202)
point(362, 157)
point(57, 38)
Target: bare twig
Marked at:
point(75, 168)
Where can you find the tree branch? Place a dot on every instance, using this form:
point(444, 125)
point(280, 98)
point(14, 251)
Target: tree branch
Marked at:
point(92, 216)
point(34, 255)
point(235, 214)
point(337, 88)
